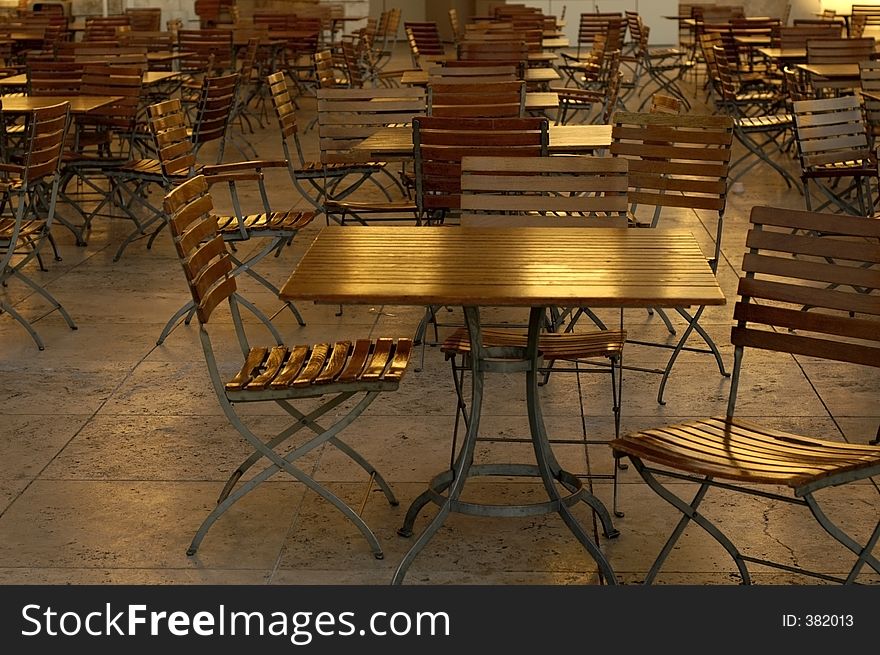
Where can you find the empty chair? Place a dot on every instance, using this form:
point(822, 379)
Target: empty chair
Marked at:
point(833, 145)
point(780, 271)
point(145, 19)
point(28, 192)
point(345, 118)
point(104, 28)
point(357, 370)
point(678, 161)
point(272, 229)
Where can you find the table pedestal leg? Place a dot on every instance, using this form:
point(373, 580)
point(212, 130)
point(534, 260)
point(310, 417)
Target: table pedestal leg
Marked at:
point(548, 469)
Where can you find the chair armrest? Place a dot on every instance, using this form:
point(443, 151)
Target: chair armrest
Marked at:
point(231, 177)
point(253, 165)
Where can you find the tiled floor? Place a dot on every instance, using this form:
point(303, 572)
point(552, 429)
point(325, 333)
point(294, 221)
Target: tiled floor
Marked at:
point(114, 448)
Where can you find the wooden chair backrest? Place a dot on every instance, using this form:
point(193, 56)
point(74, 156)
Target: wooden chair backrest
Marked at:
point(153, 41)
point(675, 160)
point(663, 104)
point(53, 77)
point(830, 131)
point(325, 67)
point(440, 143)
point(839, 51)
point(206, 263)
point(797, 37)
point(348, 116)
point(285, 110)
point(551, 191)
point(471, 74)
point(483, 100)
point(797, 259)
point(122, 82)
point(168, 125)
point(47, 129)
point(103, 28)
point(215, 107)
point(426, 36)
point(869, 72)
point(208, 48)
point(504, 51)
point(145, 19)
point(352, 55)
point(592, 24)
point(455, 25)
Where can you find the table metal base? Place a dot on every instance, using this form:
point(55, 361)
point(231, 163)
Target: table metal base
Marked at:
point(547, 468)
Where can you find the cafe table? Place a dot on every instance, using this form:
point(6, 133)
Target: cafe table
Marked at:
point(395, 143)
point(419, 77)
point(149, 78)
point(78, 104)
point(528, 267)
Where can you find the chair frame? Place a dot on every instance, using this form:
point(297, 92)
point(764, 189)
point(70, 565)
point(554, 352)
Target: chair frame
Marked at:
point(277, 374)
point(735, 455)
point(32, 199)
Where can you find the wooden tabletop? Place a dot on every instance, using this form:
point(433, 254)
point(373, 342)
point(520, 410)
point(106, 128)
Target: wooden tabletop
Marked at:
point(787, 54)
point(519, 267)
point(752, 39)
point(843, 71)
point(536, 75)
point(149, 77)
point(555, 43)
point(390, 143)
point(78, 104)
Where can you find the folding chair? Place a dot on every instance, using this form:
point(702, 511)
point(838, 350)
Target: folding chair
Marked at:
point(104, 141)
point(332, 373)
point(761, 132)
point(345, 118)
point(832, 146)
point(780, 271)
point(276, 228)
point(215, 106)
point(677, 161)
point(439, 144)
point(28, 195)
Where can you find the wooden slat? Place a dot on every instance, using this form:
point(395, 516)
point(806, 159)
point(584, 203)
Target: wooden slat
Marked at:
point(815, 271)
point(271, 366)
point(402, 352)
point(814, 297)
point(215, 296)
point(806, 245)
point(253, 360)
point(379, 360)
point(335, 362)
point(313, 367)
point(809, 346)
point(356, 361)
point(291, 369)
point(798, 319)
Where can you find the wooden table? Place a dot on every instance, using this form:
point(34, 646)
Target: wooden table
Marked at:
point(78, 104)
point(532, 75)
point(839, 76)
point(395, 143)
point(149, 78)
point(520, 267)
point(557, 43)
point(785, 56)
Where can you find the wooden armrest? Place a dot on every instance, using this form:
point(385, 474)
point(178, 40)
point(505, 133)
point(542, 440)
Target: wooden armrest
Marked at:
point(253, 165)
point(232, 177)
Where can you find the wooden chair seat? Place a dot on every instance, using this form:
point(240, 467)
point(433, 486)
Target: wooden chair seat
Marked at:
point(842, 168)
point(763, 122)
point(552, 346)
point(308, 369)
point(735, 449)
point(282, 220)
point(28, 228)
point(150, 167)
